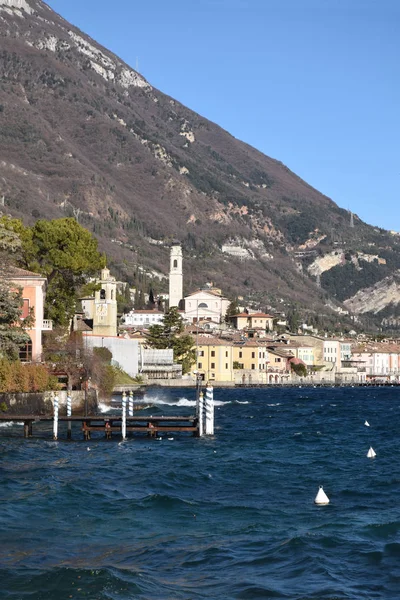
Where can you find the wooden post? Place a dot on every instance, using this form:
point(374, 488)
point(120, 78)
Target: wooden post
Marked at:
point(69, 413)
point(201, 414)
point(30, 432)
point(123, 425)
point(131, 403)
point(26, 429)
point(55, 422)
point(209, 411)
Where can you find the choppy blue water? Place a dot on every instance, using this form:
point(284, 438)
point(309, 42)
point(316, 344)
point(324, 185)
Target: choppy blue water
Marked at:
point(221, 518)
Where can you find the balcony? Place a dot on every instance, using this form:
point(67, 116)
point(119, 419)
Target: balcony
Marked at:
point(47, 325)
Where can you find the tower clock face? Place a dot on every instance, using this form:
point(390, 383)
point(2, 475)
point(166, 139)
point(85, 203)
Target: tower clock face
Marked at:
point(101, 310)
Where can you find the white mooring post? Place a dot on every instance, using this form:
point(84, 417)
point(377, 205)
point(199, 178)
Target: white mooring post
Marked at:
point(201, 414)
point(131, 403)
point(55, 422)
point(123, 427)
point(69, 413)
point(209, 411)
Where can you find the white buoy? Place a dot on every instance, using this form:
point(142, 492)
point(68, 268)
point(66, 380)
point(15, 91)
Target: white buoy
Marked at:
point(321, 497)
point(371, 452)
point(55, 422)
point(209, 406)
point(366, 424)
point(123, 426)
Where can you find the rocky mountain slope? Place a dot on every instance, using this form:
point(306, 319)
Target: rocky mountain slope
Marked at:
point(83, 134)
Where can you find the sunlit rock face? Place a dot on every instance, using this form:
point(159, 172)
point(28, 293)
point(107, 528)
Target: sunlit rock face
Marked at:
point(20, 4)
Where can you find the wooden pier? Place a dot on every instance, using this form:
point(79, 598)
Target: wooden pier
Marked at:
point(152, 426)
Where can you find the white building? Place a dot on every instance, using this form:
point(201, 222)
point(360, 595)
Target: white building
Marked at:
point(142, 318)
point(332, 352)
point(208, 304)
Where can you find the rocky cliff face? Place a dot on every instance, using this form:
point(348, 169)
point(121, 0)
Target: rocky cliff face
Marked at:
point(83, 134)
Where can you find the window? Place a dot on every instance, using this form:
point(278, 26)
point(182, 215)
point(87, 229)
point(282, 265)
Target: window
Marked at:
point(226, 366)
point(226, 353)
point(199, 365)
point(212, 352)
point(25, 352)
point(213, 365)
point(201, 352)
point(102, 294)
point(25, 308)
point(253, 355)
point(240, 354)
point(253, 367)
point(175, 264)
point(203, 305)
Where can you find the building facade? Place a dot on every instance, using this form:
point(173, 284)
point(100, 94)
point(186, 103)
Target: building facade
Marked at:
point(206, 305)
point(214, 359)
point(33, 294)
point(142, 318)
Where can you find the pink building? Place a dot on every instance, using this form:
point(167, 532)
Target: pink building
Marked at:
point(33, 293)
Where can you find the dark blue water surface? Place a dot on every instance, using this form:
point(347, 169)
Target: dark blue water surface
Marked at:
point(232, 516)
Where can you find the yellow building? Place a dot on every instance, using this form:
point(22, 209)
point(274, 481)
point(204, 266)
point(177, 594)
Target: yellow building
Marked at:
point(250, 354)
point(253, 321)
point(214, 359)
point(250, 358)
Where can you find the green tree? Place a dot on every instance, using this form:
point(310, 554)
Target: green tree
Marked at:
point(12, 328)
point(170, 335)
point(66, 253)
point(124, 301)
point(232, 310)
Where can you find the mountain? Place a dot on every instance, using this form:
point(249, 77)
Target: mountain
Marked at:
point(83, 134)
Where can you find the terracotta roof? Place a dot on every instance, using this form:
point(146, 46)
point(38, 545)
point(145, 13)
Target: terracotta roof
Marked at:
point(296, 361)
point(146, 312)
point(16, 272)
point(212, 341)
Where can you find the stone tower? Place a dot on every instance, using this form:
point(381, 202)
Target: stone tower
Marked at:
point(175, 275)
point(105, 306)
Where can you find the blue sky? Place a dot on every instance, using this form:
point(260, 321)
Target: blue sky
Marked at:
point(312, 83)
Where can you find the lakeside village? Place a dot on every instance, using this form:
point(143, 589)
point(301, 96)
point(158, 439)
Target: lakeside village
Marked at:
point(201, 337)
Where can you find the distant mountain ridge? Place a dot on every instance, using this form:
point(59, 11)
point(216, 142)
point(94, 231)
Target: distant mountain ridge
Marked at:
point(84, 134)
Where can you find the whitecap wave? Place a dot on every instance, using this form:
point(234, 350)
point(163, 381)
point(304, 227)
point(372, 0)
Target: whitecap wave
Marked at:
point(9, 424)
point(245, 402)
point(276, 404)
point(103, 408)
point(177, 402)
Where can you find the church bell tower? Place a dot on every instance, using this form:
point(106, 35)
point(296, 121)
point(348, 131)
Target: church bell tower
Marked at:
point(175, 275)
point(105, 306)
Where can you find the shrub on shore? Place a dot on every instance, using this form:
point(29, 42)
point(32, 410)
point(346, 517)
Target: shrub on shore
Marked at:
point(19, 377)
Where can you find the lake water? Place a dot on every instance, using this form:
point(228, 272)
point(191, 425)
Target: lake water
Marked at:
point(232, 516)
